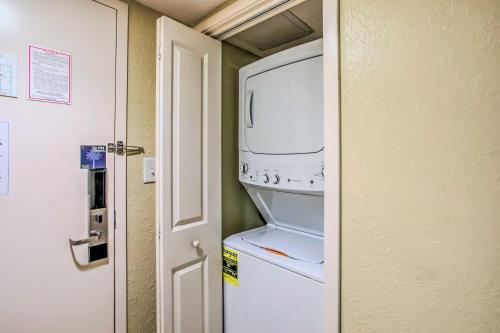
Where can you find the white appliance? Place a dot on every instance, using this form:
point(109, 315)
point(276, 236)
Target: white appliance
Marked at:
point(276, 281)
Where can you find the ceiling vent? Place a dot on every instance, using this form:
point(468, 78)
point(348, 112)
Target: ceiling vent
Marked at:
point(273, 32)
point(295, 26)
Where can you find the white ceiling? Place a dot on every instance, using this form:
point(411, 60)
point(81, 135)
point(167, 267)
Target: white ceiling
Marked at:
point(188, 12)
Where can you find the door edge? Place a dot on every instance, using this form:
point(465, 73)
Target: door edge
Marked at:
point(120, 239)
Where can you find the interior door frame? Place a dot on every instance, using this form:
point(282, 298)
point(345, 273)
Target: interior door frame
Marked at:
point(333, 158)
point(237, 17)
point(120, 239)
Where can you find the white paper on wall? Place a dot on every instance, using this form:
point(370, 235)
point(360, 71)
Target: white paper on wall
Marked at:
point(4, 158)
point(49, 75)
point(8, 75)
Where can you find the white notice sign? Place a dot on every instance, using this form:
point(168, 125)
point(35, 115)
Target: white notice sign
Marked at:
point(49, 75)
point(4, 158)
point(8, 75)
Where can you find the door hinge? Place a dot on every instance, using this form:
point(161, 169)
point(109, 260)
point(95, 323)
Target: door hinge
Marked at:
point(120, 149)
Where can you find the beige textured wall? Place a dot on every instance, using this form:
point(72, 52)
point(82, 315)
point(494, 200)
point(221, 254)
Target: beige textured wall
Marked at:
point(421, 166)
point(141, 262)
point(238, 211)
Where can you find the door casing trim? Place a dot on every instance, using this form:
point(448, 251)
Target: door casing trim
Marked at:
point(333, 180)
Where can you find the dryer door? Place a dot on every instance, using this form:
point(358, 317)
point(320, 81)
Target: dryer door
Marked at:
point(282, 109)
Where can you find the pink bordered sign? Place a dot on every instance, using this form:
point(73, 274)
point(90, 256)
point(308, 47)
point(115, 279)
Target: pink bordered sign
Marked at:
point(49, 75)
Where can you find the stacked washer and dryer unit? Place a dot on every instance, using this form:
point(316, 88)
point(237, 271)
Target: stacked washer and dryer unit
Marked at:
point(280, 273)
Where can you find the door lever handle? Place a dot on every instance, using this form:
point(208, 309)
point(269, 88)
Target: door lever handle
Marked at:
point(94, 236)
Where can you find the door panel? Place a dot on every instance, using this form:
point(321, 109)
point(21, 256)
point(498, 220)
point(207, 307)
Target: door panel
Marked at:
point(189, 304)
point(44, 286)
point(188, 184)
point(296, 88)
point(187, 112)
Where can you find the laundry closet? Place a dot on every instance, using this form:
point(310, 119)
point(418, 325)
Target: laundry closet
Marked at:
point(272, 173)
point(274, 274)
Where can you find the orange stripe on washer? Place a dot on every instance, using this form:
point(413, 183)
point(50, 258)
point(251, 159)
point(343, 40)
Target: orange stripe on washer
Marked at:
point(275, 252)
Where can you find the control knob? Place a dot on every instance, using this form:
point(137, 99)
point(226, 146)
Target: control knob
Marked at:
point(266, 179)
point(244, 168)
point(276, 179)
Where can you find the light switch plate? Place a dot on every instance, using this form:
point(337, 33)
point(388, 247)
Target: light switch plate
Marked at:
point(149, 170)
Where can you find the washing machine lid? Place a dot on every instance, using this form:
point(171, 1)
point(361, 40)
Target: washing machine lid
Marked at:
point(291, 244)
point(297, 211)
point(307, 269)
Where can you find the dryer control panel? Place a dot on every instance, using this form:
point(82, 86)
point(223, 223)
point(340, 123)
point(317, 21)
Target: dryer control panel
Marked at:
point(303, 173)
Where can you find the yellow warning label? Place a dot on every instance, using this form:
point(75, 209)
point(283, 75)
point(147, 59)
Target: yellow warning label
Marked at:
point(230, 266)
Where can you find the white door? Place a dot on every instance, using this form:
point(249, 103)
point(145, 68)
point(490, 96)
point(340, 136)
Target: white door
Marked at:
point(189, 181)
point(46, 285)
